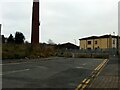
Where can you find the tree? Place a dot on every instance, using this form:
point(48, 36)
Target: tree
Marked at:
point(50, 42)
point(19, 38)
point(3, 39)
point(10, 39)
point(26, 42)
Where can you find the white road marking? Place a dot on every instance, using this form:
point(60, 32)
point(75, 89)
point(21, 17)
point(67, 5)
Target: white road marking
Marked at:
point(84, 64)
point(10, 63)
point(10, 72)
point(42, 67)
point(13, 63)
point(79, 67)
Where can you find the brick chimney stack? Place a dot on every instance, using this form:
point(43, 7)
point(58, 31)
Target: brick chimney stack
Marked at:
point(35, 23)
point(0, 29)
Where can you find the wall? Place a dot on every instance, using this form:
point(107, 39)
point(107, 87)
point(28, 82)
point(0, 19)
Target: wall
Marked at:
point(90, 45)
point(83, 44)
point(114, 45)
point(98, 43)
point(101, 43)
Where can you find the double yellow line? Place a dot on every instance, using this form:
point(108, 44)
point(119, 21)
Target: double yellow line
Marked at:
point(83, 84)
point(101, 65)
point(95, 73)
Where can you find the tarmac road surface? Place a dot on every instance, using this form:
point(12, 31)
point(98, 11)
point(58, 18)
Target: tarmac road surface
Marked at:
point(56, 72)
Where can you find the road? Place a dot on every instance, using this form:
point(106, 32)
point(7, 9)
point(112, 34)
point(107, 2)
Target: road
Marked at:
point(55, 72)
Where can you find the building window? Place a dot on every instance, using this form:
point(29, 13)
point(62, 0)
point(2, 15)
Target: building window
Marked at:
point(113, 41)
point(95, 48)
point(95, 42)
point(89, 48)
point(89, 42)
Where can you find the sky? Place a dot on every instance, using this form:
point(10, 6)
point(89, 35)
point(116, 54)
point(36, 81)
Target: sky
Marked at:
point(62, 21)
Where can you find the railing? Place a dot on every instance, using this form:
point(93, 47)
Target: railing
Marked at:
point(88, 53)
point(111, 51)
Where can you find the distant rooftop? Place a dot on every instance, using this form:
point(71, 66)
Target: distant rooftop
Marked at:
point(96, 37)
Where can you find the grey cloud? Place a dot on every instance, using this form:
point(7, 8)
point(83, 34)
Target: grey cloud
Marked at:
point(65, 20)
point(78, 19)
point(16, 17)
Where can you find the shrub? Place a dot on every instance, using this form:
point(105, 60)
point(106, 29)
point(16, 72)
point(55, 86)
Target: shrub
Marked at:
point(13, 51)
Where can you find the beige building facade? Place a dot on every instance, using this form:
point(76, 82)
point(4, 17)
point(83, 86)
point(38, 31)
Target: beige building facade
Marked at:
point(95, 42)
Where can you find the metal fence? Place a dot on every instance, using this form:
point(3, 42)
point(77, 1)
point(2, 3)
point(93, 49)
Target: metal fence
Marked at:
point(110, 51)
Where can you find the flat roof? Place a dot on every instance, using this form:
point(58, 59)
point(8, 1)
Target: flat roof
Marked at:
point(96, 37)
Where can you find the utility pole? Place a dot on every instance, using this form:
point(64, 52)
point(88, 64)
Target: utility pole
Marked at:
point(118, 46)
point(118, 28)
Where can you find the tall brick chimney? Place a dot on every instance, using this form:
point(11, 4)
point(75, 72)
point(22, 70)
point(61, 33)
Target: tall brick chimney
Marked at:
point(35, 23)
point(0, 29)
point(119, 28)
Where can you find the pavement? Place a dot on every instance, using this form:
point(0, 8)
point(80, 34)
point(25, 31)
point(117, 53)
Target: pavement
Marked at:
point(47, 73)
point(108, 78)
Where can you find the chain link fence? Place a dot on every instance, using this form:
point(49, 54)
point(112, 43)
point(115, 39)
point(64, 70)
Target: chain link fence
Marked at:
point(96, 53)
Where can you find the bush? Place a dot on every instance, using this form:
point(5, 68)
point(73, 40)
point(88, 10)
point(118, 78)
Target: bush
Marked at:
point(67, 54)
point(15, 51)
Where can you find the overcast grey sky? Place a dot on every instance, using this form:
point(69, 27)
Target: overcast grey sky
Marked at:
point(61, 20)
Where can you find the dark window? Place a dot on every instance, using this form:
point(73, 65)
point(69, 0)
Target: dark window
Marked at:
point(113, 41)
point(89, 48)
point(95, 48)
point(89, 42)
point(95, 42)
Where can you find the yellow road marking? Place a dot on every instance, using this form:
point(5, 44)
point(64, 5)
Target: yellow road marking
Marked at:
point(100, 65)
point(99, 71)
point(84, 86)
point(84, 80)
point(101, 68)
point(80, 86)
point(87, 81)
point(97, 67)
point(93, 76)
point(94, 73)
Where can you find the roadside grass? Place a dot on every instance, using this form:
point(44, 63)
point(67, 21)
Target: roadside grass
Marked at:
point(28, 51)
point(15, 51)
